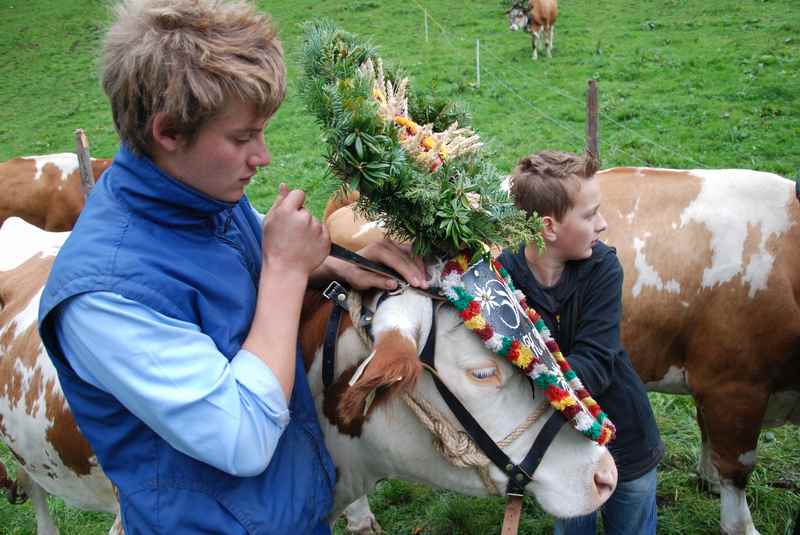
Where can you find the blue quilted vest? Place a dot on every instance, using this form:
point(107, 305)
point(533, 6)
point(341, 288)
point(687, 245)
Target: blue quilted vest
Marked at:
point(154, 240)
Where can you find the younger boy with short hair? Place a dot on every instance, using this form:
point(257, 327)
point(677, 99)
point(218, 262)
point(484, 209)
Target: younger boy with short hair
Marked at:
point(575, 283)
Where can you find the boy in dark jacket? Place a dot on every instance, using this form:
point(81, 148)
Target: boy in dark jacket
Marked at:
point(575, 283)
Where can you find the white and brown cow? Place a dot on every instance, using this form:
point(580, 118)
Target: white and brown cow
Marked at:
point(44, 190)
point(35, 421)
point(370, 427)
point(537, 17)
point(711, 303)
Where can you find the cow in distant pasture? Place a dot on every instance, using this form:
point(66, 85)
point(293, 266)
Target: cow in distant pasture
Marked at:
point(383, 418)
point(537, 17)
point(44, 190)
point(711, 303)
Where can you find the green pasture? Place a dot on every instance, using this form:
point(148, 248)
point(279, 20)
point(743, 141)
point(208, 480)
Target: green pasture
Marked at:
point(683, 84)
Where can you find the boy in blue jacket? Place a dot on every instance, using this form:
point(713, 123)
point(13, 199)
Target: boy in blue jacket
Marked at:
point(575, 283)
point(172, 311)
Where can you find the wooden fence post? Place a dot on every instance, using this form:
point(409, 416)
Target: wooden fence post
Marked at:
point(592, 143)
point(84, 162)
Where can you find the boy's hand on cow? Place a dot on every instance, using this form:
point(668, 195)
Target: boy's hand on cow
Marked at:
point(386, 252)
point(293, 239)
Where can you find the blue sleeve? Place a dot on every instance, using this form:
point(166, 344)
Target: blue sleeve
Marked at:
point(170, 375)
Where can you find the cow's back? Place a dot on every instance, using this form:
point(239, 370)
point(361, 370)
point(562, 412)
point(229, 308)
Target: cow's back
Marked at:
point(543, 12)
point(44, 190)
point(710, 260)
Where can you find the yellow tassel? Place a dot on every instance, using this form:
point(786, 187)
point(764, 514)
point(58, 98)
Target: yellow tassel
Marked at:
point(476, 322)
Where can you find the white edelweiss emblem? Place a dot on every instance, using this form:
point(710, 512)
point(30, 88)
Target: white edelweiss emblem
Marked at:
point(485, 297)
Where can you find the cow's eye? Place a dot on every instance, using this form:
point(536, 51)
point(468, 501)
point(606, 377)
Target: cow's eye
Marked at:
point(488, 373)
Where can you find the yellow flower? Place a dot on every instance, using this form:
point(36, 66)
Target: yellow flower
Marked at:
point(429, 142)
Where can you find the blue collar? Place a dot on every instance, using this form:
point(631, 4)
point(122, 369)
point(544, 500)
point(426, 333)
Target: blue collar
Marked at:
point(157, 195)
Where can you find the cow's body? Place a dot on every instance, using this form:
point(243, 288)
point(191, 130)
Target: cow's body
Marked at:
point(35, 421)
point(44, 190)
point(710, 303)
point(537, 17)
point(712, 282)
point(576, 475)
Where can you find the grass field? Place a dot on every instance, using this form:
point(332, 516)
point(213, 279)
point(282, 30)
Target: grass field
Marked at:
point(684, 84)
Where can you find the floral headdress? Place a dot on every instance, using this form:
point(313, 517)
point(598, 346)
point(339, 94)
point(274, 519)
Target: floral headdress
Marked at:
point(419, 170)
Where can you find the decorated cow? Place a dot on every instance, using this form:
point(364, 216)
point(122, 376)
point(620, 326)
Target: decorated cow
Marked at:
point(392, 422)
point(710, 303)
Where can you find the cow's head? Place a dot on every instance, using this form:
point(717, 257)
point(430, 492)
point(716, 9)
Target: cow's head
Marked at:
point(392, 421)
point(518, 17)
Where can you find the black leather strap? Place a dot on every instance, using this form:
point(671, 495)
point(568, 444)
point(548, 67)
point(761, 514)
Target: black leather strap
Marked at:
point(338, 295)
point(523, 472)
point(519, 475)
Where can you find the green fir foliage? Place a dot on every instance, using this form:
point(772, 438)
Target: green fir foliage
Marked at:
point(435, 210)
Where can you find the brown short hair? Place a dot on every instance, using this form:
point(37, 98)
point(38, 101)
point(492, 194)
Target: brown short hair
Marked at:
point(546, 182)
point(185, 58)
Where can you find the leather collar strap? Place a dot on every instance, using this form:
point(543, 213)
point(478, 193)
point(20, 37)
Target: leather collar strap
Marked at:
point(338, 294)
point(511, 516)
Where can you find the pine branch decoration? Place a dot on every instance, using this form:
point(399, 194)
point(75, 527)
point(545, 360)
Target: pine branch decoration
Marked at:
point(414, 158)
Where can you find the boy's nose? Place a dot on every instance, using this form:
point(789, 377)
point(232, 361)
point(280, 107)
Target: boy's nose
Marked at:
point(261, 157)
point(601, 223)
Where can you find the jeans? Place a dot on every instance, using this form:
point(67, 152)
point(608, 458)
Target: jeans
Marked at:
point(631, 510)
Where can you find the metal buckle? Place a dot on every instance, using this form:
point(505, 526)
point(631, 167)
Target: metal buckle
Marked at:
point(336, 293)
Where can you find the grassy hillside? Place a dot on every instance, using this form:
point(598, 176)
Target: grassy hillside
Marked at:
point(712, 84)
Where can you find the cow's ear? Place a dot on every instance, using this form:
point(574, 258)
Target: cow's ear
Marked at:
point(392, 371)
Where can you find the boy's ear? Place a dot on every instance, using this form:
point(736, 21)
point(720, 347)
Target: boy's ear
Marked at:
point(549, 228)
point(163, 133)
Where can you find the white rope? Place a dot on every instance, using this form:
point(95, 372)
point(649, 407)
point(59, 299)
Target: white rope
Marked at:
point(456, 446)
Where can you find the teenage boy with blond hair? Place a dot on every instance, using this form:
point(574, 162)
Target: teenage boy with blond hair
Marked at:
point(575, 283)
point(172, 311)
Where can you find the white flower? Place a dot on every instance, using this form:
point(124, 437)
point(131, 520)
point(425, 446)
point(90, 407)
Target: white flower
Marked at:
point(485, 297)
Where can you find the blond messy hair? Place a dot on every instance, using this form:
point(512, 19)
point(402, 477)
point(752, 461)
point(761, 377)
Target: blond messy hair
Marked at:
point(185, 58)
point(546, 182)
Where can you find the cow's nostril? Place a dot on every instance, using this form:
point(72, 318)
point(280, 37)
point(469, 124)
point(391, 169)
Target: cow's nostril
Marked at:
point(605, 479)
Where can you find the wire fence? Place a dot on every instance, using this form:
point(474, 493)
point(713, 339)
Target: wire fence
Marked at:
point(530, 81)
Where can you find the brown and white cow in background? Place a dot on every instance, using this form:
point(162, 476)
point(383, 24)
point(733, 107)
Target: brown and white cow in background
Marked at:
point(537, 17)
point(711, 303)
point(711, 306)
point(44, 190)
point(369, 440)
point(35, 421)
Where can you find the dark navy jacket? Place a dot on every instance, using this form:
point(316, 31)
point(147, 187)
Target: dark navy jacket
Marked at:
point(157, 241)
point(583, 311)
